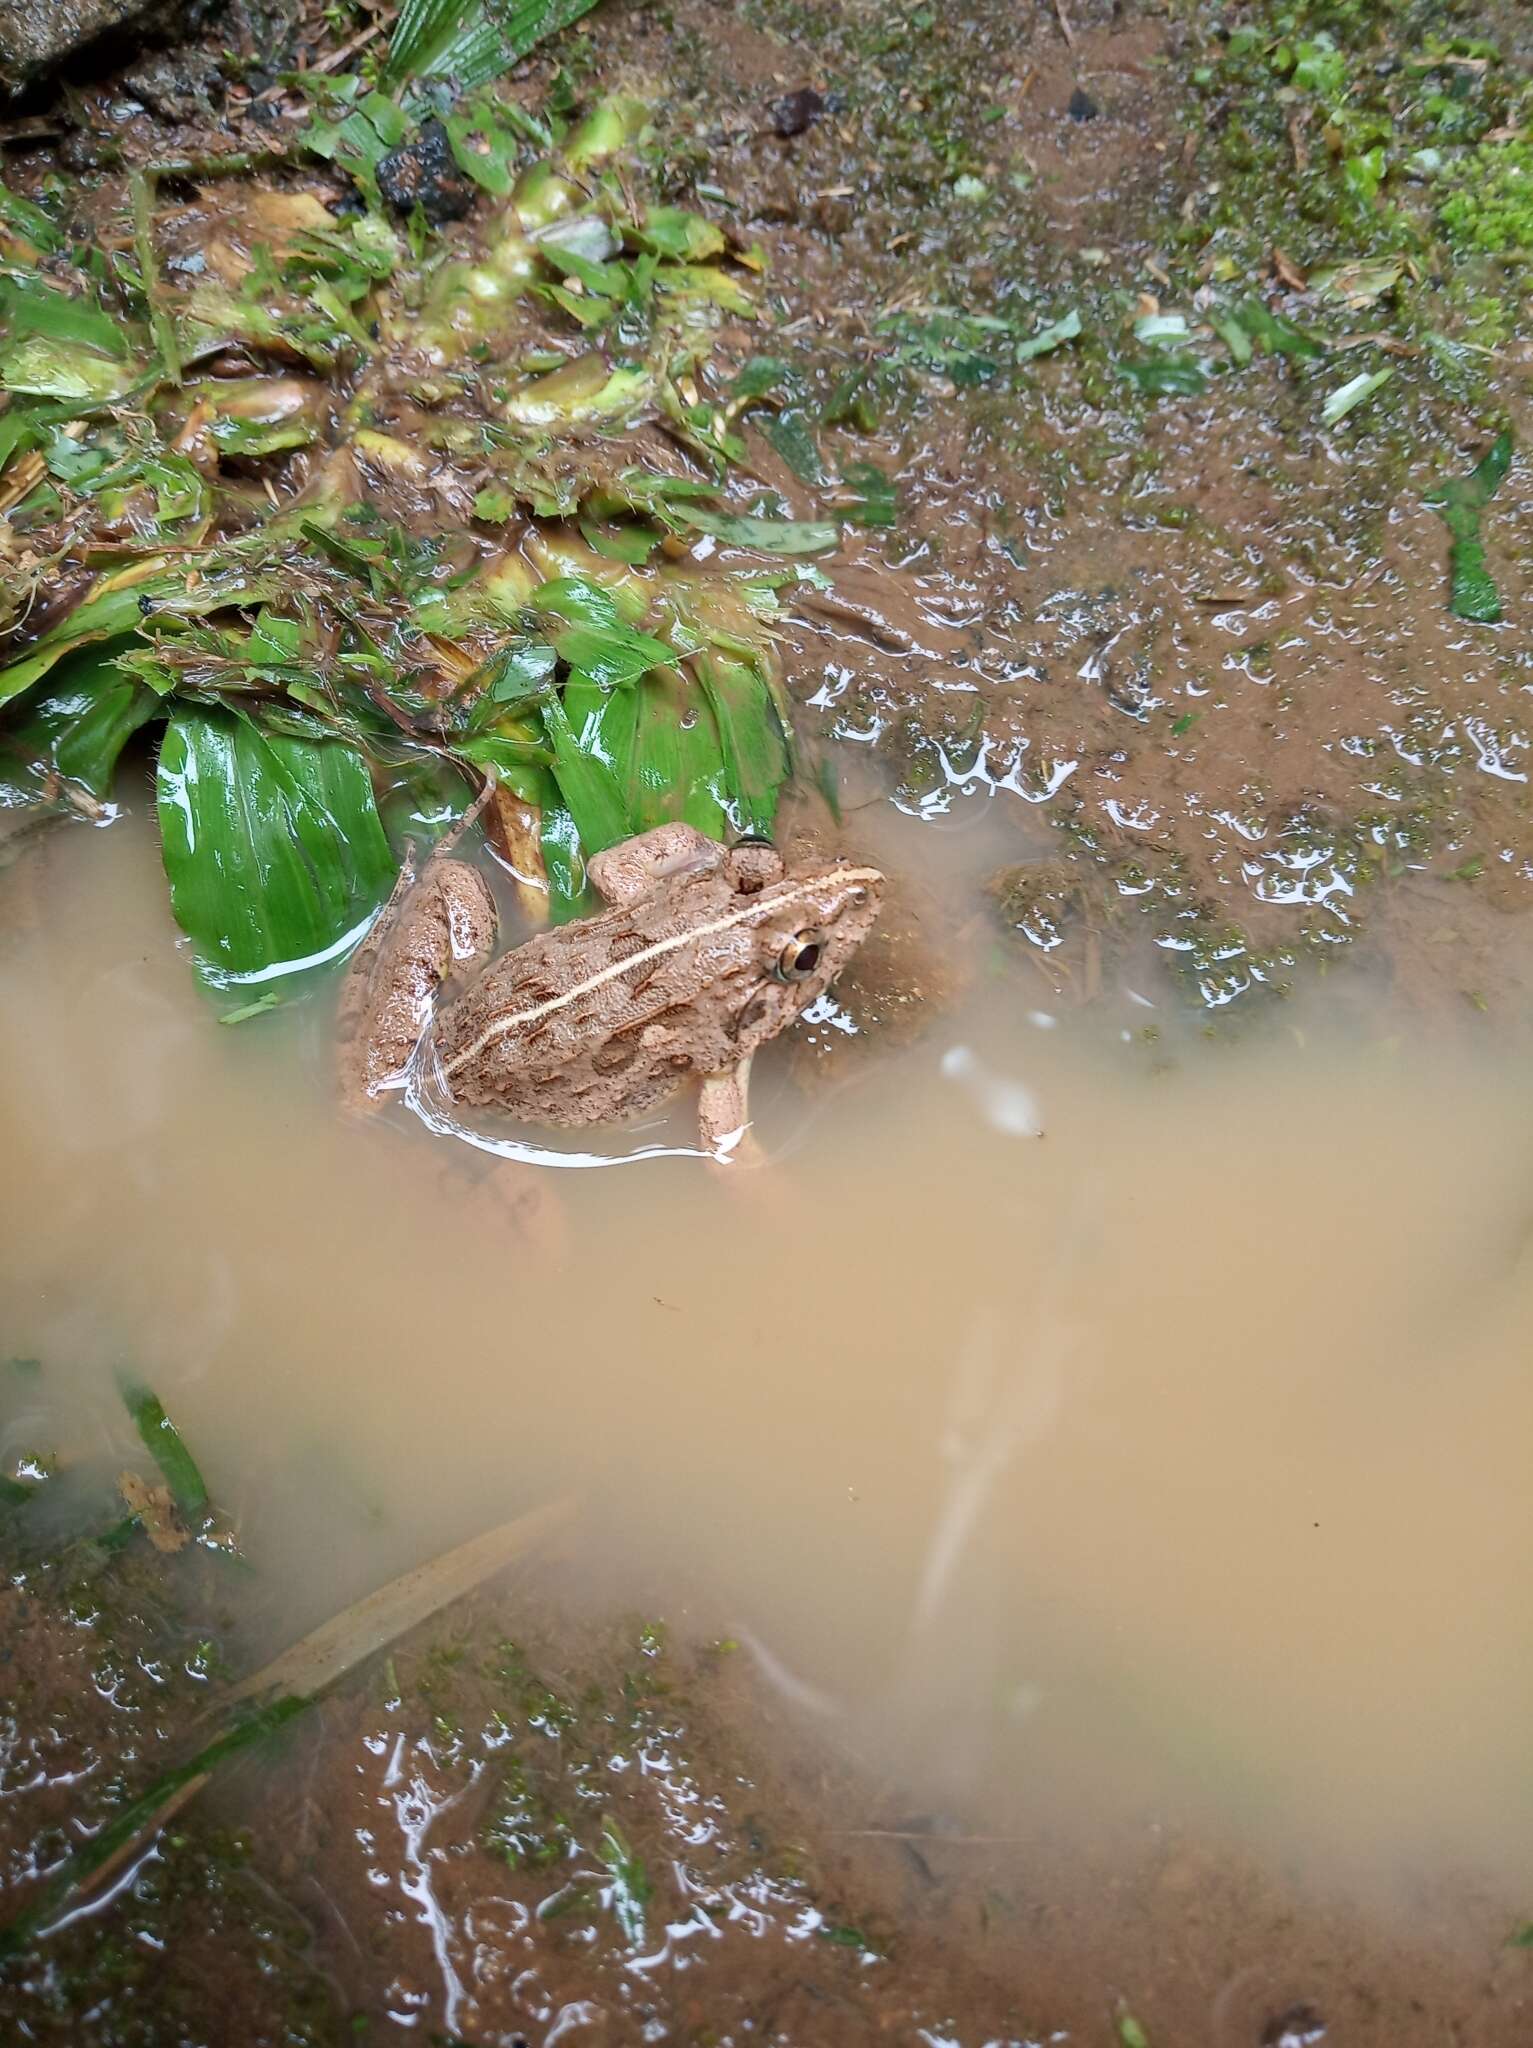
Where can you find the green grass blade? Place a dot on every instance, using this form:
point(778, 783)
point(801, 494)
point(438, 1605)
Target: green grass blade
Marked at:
point(164, 1444)
point(140, 1819)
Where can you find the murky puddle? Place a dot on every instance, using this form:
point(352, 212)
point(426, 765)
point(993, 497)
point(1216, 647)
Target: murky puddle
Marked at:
point(1109, 1445)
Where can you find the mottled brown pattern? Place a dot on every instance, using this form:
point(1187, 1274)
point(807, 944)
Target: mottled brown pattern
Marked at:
point(564, 1030)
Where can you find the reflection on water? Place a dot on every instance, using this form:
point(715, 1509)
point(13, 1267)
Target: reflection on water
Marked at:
point(1095, 1436)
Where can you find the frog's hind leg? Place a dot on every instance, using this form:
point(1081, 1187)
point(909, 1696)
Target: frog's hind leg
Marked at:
point(723, 1117)
point(444, 923)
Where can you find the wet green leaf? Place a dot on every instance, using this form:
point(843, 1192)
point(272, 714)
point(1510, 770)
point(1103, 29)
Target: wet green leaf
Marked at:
point(844, 1937)
point(588, 783)
point(1235, 339)
point(164, 1444)
point(1163, 330)
point(1280, 336)
point(676, 767)
point(1130, 2033)
point(630, 541)
point(28, 220)
point(1319, 67)
point(139, 1820)
point(245, 1012)
point(29, 306)
point(1355, 392)
point(118, 606)
point(517, 676)
point(272, 845)
point(755, 755)
point(874, 499)
point(1357, 284)
point(471, 41)
point(1049, 338)
point(611, 656)
point(1473, 593)
point(1180, 376)
point(80, 725)
point(681, 237)
point(772, 536)
point(853, 402)
point(968, 348)
point(579, 600)
point(792, 435)
point(485, 136)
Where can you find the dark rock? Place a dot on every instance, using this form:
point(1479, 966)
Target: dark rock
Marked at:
point(425, 173)
point(175, 84)
point(38, 36)
point(796, 111)
point(1082, 106)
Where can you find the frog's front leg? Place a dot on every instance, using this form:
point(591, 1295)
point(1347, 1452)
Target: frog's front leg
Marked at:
point(723, 1117)
point(428, 929)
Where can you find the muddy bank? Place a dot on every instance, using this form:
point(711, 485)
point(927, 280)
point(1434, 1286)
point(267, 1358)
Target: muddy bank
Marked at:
point(524, 1826)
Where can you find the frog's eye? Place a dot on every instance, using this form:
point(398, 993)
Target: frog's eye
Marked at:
point(800, 957)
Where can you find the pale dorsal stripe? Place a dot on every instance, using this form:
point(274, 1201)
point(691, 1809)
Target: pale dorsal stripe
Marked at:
point(756, 907)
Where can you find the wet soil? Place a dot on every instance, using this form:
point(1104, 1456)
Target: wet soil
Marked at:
point(530, 1822)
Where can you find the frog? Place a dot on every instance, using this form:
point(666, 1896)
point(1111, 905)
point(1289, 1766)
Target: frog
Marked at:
point(704, 953)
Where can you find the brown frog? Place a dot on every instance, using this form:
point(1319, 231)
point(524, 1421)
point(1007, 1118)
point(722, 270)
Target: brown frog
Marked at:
point(706, 953)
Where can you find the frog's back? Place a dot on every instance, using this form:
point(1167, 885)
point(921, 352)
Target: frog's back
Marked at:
point(602, 1019)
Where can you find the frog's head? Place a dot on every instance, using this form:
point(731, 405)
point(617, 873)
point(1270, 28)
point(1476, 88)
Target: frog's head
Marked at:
point(805, 924)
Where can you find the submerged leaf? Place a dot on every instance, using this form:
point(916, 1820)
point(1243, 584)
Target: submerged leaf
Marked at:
point(272, 846)
point(772, 536)
point(874, 499)
point(164, 1444)
point(1180, 376)
point(682, 237)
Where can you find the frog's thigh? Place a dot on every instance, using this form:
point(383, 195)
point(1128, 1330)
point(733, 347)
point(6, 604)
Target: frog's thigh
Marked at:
point(446, 922)
point(631, 869)
point(722, 1114)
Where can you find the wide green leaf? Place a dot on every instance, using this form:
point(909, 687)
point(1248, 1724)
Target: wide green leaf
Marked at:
point(676, 768)
point(471, 41)
point(80, 725)
point(272, 845)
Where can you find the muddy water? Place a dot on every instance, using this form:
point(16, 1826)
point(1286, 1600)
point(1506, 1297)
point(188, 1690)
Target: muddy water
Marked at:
point(1089, 1433)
